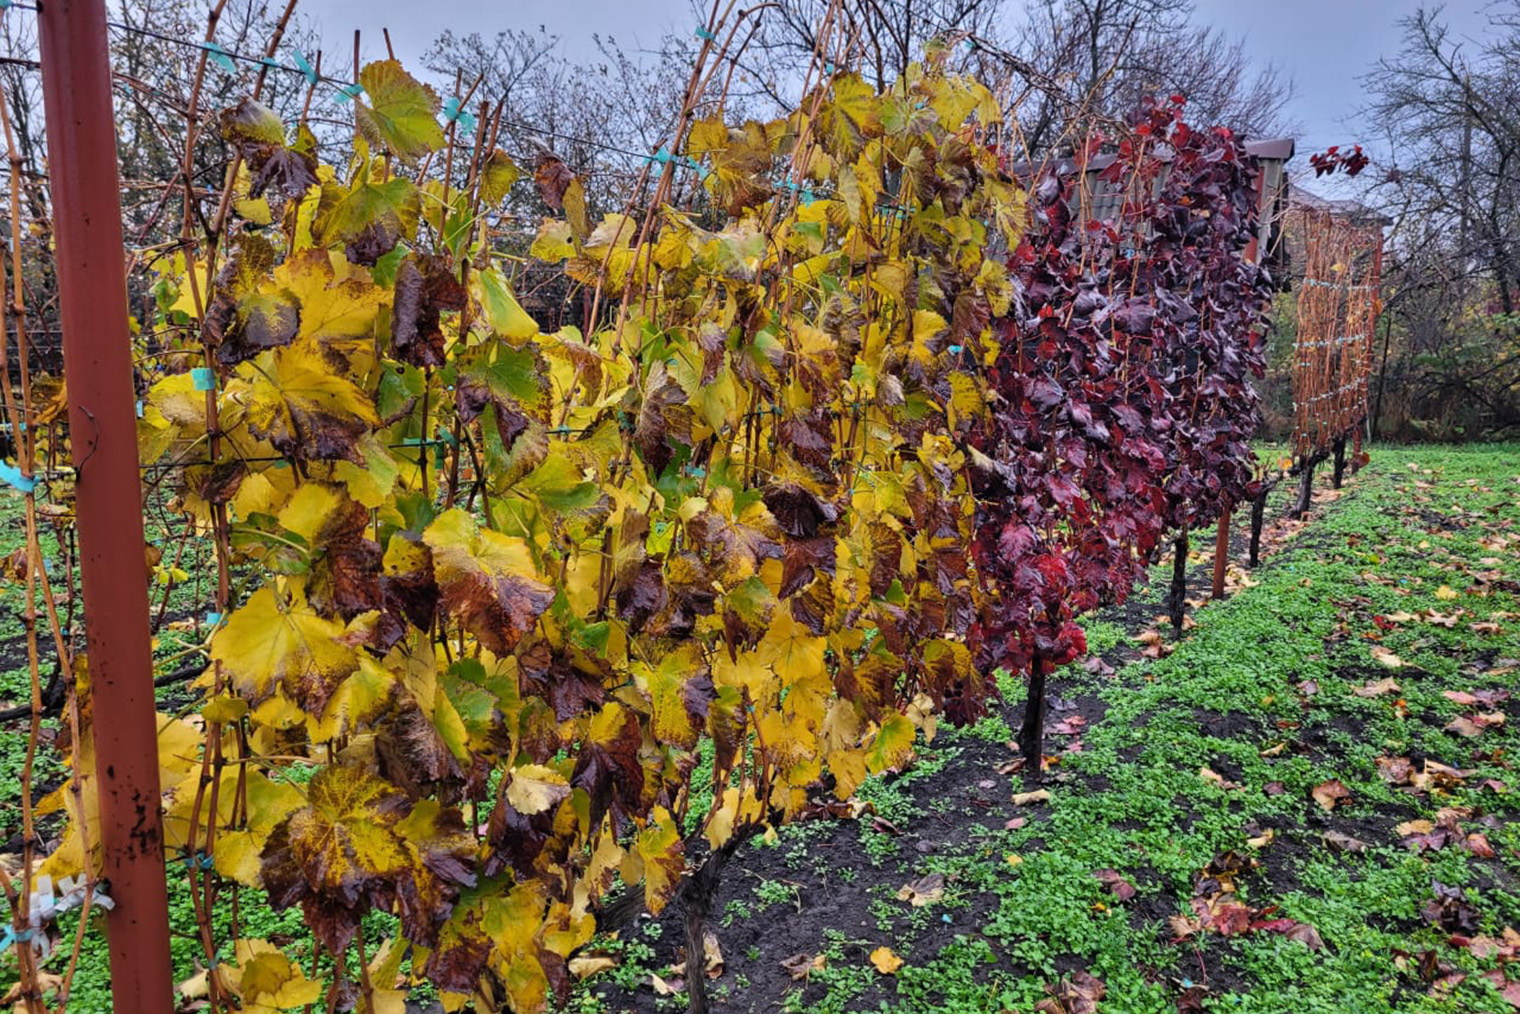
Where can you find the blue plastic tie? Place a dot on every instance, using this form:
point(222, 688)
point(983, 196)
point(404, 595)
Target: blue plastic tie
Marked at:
point(349, 91)
point(304, 66)
point(10, 936)
point(12, 475)
point(453, 112)
point(213, 618)
point(703, 33)
point(955, 349)
point(220, 56)
point(203, 378)
point(139, 408)
point(5, 5)
point(272, 63)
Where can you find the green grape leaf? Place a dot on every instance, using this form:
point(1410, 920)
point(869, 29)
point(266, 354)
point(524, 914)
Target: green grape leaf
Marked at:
point(397, 113)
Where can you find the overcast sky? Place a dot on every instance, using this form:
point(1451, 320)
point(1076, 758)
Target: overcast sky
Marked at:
point(1325, 45)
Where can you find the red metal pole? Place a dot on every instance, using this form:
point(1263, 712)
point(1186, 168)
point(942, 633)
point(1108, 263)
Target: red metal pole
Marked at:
point(1221, 554)
point(97, 354)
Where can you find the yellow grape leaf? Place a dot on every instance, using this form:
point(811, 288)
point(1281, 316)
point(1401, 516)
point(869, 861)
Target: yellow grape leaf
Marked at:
point(266, 980)
point(497, 176)
point(680, 689)
point(534, 788)
point(893, 744)
point(266, 644)
point(886, 961)
point(662, 857)
point(791, 649)
point(305, 410)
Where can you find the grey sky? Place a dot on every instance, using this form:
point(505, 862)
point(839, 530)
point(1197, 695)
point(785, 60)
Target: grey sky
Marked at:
point(1325, 45)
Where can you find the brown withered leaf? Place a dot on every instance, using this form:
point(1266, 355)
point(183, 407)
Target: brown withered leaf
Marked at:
point(1077, 994)
point(1344, 843)
point(1378, 689)
point(486, 580)
point(425, 288)
point(802, 966)
point(1116, 883)
point(926, 890)
point(1329, 794)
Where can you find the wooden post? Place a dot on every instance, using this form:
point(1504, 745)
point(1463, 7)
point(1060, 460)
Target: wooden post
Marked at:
point(1221, 553)
point(97, 354)
point(1258, 513)
point(1177, 597)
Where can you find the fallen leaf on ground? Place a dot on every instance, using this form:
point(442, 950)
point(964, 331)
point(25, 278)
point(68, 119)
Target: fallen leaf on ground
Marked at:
point(1478, 845)
point(665, 988)
point(1451, 911)
point(1383, 656)
point(1344, 842)
point(1414, 827)
point(1394, 770)
point(800, 966)
point(1116, 882)
point(886, 960)
point(1464, 726)
point(1446, 593)
point(1029, 798)
point(585, 965)
point(926, 890)
point(1378, 689)
point(1077, 995)
point(1328, 794)
point(1215, 778)
point(1184, 926)
point(1014, 823)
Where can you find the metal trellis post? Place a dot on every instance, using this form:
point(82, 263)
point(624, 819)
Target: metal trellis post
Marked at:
point(82, 170)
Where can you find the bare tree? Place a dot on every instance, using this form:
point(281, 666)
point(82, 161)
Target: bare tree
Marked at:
point(1093, 60)
point(1451, 109)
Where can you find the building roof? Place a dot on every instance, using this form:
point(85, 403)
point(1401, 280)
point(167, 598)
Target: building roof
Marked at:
point(1355, 211)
